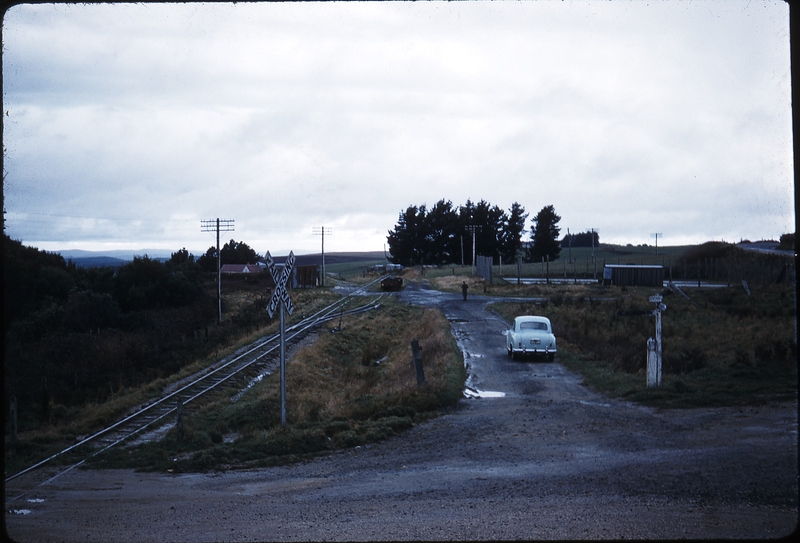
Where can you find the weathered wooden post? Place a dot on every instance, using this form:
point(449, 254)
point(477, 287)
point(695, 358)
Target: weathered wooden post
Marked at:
point(416, 352)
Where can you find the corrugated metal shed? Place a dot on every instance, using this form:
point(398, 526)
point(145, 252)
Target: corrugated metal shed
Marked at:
point(305, 276)
point(633, 275)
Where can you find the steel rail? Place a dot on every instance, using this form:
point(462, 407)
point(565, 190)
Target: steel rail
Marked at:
point(325, 314)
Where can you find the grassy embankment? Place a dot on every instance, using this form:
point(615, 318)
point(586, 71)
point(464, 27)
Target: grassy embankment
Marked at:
point(69, 424)
point(348, 388)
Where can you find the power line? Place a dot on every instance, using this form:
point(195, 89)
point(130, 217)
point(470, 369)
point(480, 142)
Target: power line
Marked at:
point(218, 225)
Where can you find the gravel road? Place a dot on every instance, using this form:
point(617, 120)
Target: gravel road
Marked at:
point(530, 454)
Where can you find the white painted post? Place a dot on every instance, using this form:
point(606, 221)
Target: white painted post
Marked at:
point(652, 364)
point(655, 346)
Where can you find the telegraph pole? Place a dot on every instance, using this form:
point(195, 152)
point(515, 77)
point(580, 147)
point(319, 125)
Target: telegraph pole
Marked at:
point(218, 225)
point(317, 232)
point(656, 236)
point(473, 228)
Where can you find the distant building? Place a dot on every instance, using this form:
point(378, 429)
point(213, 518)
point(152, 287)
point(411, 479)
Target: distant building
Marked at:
point(240, 268)
point(633, 275)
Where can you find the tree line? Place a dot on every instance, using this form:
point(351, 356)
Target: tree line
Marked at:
point(70, 332)
point(445, 234)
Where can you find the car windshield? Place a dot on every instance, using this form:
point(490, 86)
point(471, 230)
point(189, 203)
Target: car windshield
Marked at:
point(533, 326)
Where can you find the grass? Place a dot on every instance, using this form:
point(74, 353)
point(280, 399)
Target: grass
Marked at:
point(73, 423)
point(720, 348)
point(351, 387)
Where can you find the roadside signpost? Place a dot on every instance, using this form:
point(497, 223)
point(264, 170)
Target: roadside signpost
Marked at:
point(280, 297)
point(654, 345)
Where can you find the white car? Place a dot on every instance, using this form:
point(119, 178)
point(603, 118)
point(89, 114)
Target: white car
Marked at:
point(531, 335)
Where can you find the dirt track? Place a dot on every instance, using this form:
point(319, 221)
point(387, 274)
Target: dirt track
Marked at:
point(549, 459)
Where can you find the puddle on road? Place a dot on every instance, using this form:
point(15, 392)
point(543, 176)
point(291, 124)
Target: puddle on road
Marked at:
point(20, 511)
point(470, 392)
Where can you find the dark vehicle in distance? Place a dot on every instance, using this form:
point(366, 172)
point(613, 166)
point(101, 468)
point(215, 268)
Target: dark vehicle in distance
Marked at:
point(391, 283)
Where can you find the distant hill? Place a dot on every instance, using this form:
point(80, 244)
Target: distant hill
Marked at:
point(98, 262)
point(157, 254)
point(95, 259)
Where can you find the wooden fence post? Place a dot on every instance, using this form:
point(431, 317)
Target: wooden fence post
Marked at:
point(416, 351)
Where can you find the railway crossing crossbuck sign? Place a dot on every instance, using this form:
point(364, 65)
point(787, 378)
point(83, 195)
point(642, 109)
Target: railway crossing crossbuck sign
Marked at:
point(280, 297)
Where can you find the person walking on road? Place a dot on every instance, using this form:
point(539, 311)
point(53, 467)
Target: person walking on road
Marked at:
point(464, 288)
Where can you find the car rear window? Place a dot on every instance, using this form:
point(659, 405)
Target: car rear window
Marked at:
point(533, 326)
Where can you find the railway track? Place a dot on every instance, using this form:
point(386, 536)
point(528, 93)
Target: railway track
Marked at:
point(246, 366)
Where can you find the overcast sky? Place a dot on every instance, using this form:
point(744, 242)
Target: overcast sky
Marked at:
point(126, 125)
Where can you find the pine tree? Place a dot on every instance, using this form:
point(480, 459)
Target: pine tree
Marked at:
point(513, 230)
point(545, 235)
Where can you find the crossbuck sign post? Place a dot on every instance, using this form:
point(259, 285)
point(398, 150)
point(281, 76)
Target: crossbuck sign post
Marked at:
point(280, 297)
